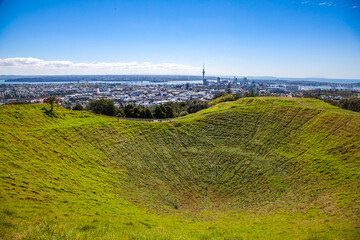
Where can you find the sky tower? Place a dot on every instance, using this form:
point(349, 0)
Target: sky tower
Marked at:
point(203, 73)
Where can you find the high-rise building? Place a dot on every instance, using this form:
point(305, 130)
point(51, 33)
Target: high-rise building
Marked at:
point(218, 80)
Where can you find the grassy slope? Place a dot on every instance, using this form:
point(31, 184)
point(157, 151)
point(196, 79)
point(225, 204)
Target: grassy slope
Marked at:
point(254, 168)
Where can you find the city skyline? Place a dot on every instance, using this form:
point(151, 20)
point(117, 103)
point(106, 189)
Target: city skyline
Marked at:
point(319, 39)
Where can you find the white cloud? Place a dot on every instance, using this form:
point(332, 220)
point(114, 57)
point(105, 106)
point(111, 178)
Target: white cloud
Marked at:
point(329, 4)
point(31, 65)
point(319, 3)
point(335, 3)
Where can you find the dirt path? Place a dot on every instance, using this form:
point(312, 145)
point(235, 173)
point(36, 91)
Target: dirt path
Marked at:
point(324, 109)
point(145, 120)
point(307, 105)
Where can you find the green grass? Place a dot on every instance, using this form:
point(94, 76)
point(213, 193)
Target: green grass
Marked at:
point(256, 168)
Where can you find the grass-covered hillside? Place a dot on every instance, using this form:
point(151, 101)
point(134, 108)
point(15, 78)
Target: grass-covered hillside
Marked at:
point(256, 168)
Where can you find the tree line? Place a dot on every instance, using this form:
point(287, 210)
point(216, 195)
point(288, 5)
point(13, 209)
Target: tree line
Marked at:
point(167, 110)
point(349, 99)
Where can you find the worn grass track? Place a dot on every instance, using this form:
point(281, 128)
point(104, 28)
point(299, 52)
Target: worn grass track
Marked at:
point(268, 168)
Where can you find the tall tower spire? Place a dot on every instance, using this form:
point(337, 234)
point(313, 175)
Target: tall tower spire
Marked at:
point(203, 73)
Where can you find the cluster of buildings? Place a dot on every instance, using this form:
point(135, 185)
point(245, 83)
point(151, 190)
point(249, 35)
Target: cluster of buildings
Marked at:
point(138, 93)
point(145, 95)
point(73, 93)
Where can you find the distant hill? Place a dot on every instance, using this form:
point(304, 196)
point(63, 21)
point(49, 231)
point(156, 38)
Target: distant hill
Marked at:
point(256, 168)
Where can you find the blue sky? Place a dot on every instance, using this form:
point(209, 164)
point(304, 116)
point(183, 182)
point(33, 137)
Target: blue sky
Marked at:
point(284, 38)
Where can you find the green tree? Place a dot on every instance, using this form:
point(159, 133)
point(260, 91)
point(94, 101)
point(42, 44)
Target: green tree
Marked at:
point(120, 112)
point(148, 114)
point(220, 94)
point(52, 100)
point(102, 106)
point(237, 96)
point(169, 113)
point(197, 105)
point(159, 112)
point(136, 112)
point(228, 89)
point(251, 93)
point(78, 107)
point(352, 104)
point(128, 112)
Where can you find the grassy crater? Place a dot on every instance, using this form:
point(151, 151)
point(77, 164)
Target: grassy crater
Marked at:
point(256, 168)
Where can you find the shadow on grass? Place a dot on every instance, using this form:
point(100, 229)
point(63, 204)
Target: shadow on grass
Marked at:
point(87, 228)
point(48, 112)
